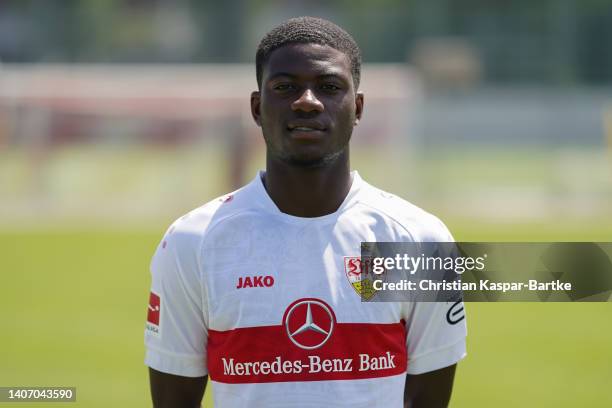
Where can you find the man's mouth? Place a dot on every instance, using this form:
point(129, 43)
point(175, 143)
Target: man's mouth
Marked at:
point(304, 129)
point(312, 133)
point(305, 126)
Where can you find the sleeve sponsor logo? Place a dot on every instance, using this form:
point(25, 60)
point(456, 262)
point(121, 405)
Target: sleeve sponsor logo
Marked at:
point(153, 312)
point(455, 313)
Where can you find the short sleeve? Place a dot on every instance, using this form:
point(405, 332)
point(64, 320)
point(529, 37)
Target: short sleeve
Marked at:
point(435, 335)
point(176, 328)
point(436, 331)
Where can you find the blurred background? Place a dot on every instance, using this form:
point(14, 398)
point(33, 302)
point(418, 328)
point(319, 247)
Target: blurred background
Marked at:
point(118, 116)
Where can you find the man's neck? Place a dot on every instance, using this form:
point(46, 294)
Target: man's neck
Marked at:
point(308, 192)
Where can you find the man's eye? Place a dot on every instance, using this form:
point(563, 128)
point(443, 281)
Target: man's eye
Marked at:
point(330, 87)
point(284, 87)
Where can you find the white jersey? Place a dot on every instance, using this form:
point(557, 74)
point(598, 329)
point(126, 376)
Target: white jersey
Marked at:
point(267, 304)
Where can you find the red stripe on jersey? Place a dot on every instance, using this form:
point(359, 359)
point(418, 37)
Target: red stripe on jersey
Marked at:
point(267, 354)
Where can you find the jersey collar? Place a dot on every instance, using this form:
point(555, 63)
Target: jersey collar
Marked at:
point(270, 206)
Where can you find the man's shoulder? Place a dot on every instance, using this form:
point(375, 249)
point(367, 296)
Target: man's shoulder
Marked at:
point(420, 224)
point(195, 225)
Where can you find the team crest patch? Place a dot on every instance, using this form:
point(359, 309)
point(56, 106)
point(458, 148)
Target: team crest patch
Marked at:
point(358, 270)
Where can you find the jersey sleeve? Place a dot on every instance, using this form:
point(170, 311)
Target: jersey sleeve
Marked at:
point(435, 335)
point(436, 331)
point(176, 328)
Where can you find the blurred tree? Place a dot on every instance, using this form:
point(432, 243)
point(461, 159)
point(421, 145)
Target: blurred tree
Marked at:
point(553, 41)
point(221, 26)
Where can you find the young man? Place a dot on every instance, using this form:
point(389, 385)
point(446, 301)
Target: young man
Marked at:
point(252, 289)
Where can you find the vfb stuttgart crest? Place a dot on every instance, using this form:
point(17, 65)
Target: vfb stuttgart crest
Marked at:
point(358, 270)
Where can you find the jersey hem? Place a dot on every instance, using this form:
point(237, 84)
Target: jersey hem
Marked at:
point(166, 363)
point(437, 359)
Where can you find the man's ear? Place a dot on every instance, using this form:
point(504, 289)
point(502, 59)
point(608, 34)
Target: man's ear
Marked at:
point(255, 105)
point(358, 107)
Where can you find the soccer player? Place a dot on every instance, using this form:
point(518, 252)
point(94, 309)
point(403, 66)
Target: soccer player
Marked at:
point(257, 289)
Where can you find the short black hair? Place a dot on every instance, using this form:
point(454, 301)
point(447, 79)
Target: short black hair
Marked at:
point(307, 30)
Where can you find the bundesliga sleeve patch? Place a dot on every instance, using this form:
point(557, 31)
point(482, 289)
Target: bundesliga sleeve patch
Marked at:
point(153, 312)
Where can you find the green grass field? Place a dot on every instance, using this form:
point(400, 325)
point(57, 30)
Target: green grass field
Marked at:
point(73, 306)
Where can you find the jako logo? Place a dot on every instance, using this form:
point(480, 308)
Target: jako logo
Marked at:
point(255, 282)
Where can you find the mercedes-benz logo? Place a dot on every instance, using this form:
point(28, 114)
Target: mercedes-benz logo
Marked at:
point(309, 323)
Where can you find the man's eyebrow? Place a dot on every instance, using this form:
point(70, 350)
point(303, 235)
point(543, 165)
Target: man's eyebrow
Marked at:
point(292, 76)
point(332, 76)
point(281, 74)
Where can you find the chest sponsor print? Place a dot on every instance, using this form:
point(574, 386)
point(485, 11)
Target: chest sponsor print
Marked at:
point(309, 344)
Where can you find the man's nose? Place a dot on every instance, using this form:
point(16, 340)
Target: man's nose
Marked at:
point(307, 102)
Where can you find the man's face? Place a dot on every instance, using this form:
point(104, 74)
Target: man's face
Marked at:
point(307, 105)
